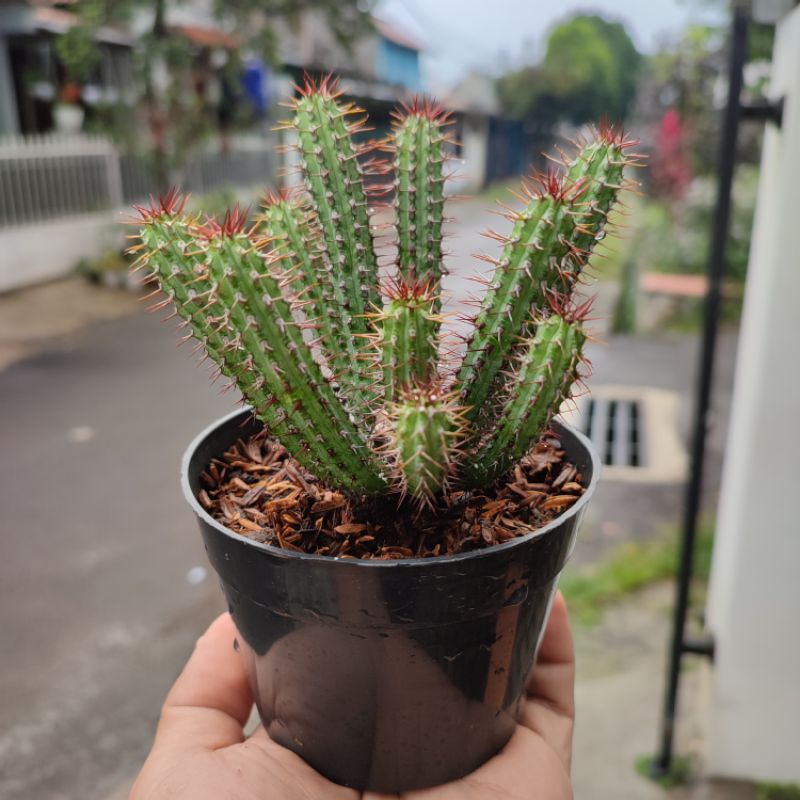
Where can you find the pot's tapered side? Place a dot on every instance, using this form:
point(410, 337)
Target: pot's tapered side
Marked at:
point(388, 675)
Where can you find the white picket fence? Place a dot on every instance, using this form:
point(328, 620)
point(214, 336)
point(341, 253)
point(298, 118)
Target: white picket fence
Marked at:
point(53, 176)
point(62, 197)
point(47, 177)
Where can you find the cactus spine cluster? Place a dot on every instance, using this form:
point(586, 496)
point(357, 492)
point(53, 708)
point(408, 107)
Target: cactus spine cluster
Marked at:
point(345, 369)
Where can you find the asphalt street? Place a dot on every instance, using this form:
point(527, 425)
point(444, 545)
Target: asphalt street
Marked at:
point(103, 587)
point(103, 579)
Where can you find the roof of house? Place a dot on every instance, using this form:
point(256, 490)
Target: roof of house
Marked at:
point(475, 93)
point(207, 37)
point(50, 15)
point(58, 21)
point(396, 35)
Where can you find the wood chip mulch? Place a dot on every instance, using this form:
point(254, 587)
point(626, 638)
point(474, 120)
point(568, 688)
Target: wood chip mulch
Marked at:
point(258, 490)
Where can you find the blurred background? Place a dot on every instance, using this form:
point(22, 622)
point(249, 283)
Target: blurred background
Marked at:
point(104, 584)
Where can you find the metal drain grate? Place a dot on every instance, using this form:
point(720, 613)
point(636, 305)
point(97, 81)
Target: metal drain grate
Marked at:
point(634, 430)
point(616, 429)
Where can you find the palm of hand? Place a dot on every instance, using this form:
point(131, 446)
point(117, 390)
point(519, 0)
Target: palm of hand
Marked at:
point(200, 752)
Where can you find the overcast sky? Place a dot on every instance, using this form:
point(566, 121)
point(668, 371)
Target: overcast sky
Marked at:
point(494, 35)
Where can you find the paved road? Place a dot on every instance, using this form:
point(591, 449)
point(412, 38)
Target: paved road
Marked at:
point(623, 511)
point(102, 583)
point(95, 607)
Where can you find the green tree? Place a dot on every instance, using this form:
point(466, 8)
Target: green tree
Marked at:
point(761, 37)
point(77, 49)
point(685, 77)
point(589, 69)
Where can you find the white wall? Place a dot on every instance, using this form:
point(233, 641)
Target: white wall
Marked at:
point(754, 602)
point(34, 253)
point(471, 174)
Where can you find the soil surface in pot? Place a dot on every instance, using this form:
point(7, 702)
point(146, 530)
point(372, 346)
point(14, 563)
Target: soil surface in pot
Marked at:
point(258, 490)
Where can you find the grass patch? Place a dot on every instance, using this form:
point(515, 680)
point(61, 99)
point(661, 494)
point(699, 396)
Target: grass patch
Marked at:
point(501, 190)
point(688, 315)
point(679, 773)
point(778, 791)
point(590, 589)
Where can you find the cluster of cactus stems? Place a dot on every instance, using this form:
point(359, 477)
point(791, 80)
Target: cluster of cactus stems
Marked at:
point(346, 368)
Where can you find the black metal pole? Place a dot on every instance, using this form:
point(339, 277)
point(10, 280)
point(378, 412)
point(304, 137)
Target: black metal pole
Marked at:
point(716, 270)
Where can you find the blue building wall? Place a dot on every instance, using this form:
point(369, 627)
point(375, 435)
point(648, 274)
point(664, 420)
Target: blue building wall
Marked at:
point(398, 65)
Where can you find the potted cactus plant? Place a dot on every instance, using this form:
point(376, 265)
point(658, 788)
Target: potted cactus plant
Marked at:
point(388, 518)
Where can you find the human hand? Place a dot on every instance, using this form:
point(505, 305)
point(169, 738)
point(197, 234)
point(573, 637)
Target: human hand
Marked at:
point(200, 752)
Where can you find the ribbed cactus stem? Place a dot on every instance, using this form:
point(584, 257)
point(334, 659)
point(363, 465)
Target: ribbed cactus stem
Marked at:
point(348, 378)
point(406, 339)
point(419, 157)
point(293, 234)
point(259, 332)
point(334, 180)
point(550, 243)
point(290, 232)
point(166, 245)
point(265, 324)
point(601, 164)
point(426, 430)
point(541, 380)
point(531, 263)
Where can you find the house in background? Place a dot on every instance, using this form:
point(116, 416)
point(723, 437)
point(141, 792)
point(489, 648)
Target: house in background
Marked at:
point(490, 147)
point(381, 70)
point(76, 185)
point(397, 58)
point(32, 81)
point(60, 197)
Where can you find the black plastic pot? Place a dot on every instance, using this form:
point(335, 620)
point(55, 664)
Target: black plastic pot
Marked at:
point(388, 675)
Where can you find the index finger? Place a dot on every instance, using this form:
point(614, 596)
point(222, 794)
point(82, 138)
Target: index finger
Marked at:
point(557, 646)
point(210, 701)
point(549, 709)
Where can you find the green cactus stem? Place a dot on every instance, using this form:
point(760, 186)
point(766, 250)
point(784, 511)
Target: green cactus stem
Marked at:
point(406, 338)
point(600, 162)
point(252, 329)
point(165, 244)
point(352, 380)
point(426, 427)
point(552, 238)
point(292, 233)
point(547, 366)
point(335, 181)
point(420, 138)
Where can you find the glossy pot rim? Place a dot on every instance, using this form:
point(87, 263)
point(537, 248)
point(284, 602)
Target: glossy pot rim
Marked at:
point(371, 563)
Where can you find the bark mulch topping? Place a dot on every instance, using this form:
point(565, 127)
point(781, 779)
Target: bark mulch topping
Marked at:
point(258, 490)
